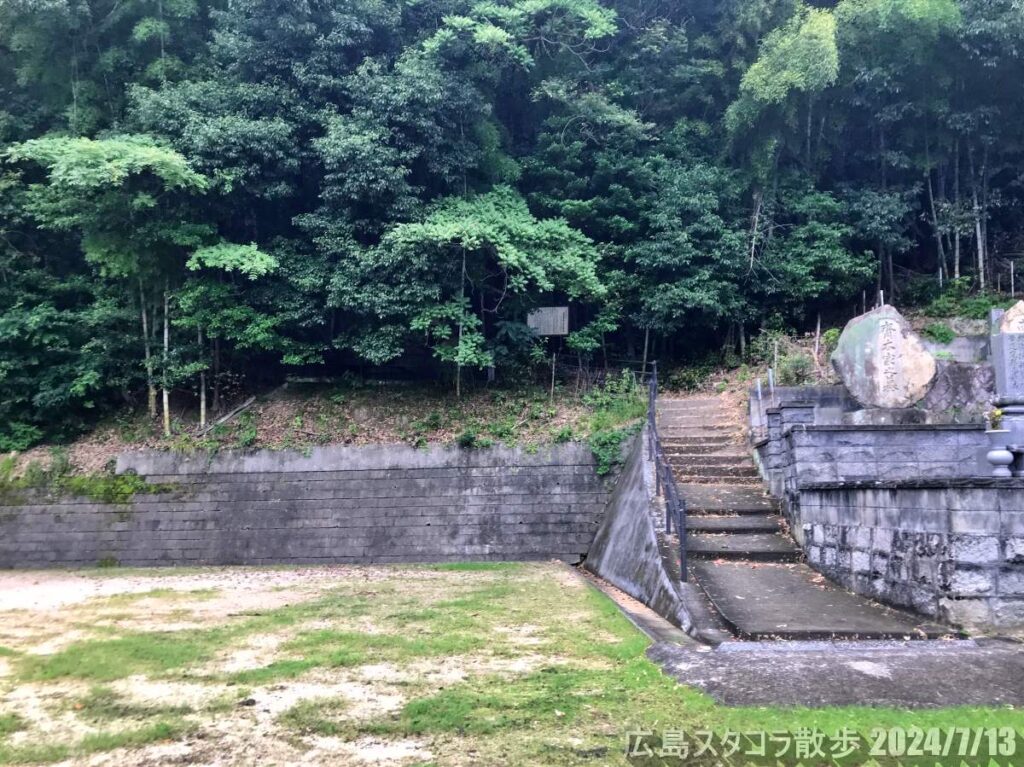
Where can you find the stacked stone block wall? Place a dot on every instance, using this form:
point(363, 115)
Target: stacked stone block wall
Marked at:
point(953, 550)
point(902, 514)
point(344, 505)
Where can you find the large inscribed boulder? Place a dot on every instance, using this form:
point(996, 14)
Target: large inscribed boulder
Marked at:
point(882, 360)
point(1012, 320)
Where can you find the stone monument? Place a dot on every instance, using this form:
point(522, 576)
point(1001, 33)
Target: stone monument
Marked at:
point(883, 362)
point(1008, 361)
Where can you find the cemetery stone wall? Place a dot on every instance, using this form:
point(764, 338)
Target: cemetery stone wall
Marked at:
point(953, 550)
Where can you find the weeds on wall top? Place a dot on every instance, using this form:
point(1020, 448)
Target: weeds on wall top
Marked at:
point(57, 478)
point(618, 409)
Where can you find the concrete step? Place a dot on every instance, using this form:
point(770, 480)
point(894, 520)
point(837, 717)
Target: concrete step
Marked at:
point(732, 499)
point(745, 546)
point(773, 601)
point(690, 444)
point(715, 447)
point(669, 431)
point(688, 420)
point(672, 408)
point(698, 441)
point(713, 479)
point(741, 512)
point(748, 523)
point(716, 458)
point(689, 403)
point(683, 466)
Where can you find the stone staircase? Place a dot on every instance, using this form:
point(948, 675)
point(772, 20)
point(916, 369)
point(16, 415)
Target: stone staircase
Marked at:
point(728, 516)
point(739, 550)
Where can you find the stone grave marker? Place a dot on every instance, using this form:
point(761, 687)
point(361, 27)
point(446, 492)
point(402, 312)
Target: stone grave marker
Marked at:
point(882, 361)
point(1008, 355)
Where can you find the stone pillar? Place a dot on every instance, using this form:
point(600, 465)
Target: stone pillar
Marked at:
point(797, 414)
point(1008, 361)
point(775, 456)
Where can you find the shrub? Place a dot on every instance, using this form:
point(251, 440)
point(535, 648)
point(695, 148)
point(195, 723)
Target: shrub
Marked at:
point(18, 436)
point(563, 435)
point(920, 289)
point(795, 369)
point(939, 332)
point(466, 439)
point(246, 431)
point(762, 346)
point(470, 439)
point(830, 340)
point(956, 301)
point(619, 400)
point(690, 378)
point(607, 447)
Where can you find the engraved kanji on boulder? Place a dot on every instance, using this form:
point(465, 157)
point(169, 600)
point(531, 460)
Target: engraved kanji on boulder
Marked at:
point(882, 361)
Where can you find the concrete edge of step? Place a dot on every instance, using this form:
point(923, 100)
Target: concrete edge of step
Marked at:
point(654, 626)
point(706, 626)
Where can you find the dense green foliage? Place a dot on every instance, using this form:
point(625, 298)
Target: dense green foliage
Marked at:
point(197, 192)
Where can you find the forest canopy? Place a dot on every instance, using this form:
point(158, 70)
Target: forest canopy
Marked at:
point(191, 189)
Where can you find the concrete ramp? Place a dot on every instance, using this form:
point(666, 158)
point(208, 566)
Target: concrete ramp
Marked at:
point(777, 601)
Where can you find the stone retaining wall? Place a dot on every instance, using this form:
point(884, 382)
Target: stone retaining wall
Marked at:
point(953, 550)
point(797, 450)
point(903, 514)
point(336, 505)
point(632, 552)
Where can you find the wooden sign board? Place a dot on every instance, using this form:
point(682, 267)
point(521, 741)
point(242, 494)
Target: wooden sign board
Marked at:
point(549, 321)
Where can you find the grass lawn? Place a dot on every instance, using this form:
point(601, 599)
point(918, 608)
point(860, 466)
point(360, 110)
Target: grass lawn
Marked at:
point(443, 665)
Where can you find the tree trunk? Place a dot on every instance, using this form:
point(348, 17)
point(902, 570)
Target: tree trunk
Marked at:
point(216, 375)
point(956, 208)
point(935, 226)
point(202, 383)
point(150, 383)
point(754, 224)
point(647, 339)
point(984, 208)
point(817, 342)
point(979, 235)
point(892, 276)
point(810, 113)
point(881, 271)
point(458, 351)
point(167, 353)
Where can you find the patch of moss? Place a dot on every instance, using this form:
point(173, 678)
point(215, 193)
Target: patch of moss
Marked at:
point(103, 704)
point(170, 595)
point(10, 723)
point(47, 753)
point(102, 487)
point(461, 567)
point(318, 716)
point(139, 653)
point(107, 488)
